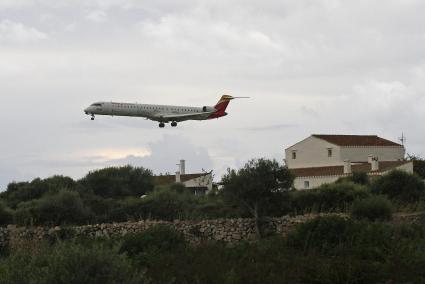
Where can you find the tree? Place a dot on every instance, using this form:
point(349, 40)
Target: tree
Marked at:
point(26, 191)
point(257, 185)
point(119, 181)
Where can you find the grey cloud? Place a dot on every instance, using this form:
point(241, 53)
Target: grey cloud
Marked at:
point(13, 32)
point(318, 66)
point(167, 152)
point(269, 127)
point(7, 175)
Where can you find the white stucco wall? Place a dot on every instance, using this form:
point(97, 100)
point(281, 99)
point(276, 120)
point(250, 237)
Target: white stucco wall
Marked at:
point(407, 167)
point(312, 152)
point(360, 154)
point(318, 181)
point(203, 181)
point(314, 181)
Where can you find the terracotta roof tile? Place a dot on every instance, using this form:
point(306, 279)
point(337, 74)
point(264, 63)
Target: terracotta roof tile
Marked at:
point(339, 170)
point(356, 140)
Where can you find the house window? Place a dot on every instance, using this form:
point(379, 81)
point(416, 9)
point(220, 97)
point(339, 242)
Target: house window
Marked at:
point(306, 184)
point(329, 152)
point(294, 155)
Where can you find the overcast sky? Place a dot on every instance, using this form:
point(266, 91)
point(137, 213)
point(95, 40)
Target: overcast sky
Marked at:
point(309, 66)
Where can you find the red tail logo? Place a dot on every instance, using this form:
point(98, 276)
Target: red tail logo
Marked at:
point(223, 103)
point(221, 106)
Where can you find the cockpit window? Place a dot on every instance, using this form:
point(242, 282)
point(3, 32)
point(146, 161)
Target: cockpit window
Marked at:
point(96, 105)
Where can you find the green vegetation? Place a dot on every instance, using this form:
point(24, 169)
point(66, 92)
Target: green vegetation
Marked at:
point(372, 208)
point(324, 250)
point(6, 215)
point(70, 263)
point(362, 249)
point(58, 208)
point(262, 188)
point(337, 197)
point(257, 186)
point(400, 187)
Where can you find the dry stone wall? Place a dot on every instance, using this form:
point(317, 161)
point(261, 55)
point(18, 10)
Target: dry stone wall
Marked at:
point(225, 230)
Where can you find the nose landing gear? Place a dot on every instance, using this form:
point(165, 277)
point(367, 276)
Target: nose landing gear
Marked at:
point(92, 117)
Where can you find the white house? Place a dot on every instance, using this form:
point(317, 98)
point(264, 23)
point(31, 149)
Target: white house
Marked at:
point(321, 159)
point(199, 183)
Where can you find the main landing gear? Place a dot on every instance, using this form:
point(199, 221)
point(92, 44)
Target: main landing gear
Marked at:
point(162, 124)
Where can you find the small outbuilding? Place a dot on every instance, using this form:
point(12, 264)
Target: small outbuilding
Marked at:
point(198, 183)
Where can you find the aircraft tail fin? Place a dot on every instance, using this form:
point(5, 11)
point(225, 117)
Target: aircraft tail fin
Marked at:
point(223, 103)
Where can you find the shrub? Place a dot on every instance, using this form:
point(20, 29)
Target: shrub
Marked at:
point(161, 250)
point(178, 187)
point(26, 191)
point(400, 186)
point(6, 215)
point(372, 208)
point(70, 263)
point(337, 236)
point(118, 182)
point(356, 177)
point(167, 204)
point(328, 198)
point(322, 234)
point(158, 239)
point(65, 207)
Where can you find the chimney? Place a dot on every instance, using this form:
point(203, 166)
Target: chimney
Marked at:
point(178, 179)
point(347, 167)
point(375, 164)
point(182, 167)
point(369, 159)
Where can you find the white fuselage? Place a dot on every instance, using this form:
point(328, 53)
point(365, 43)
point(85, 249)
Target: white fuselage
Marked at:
point(159, 113)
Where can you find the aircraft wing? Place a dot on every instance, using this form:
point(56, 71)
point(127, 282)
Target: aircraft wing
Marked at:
point(180, 117)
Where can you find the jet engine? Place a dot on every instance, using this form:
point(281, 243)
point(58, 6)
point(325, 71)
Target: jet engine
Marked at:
point(208, 109)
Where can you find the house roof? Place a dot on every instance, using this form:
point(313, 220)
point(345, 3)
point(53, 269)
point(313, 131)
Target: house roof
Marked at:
point(339, 170)
point(169, 179)
point(356, 140)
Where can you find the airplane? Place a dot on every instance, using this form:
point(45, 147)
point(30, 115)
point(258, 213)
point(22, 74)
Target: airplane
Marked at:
point(161, 113)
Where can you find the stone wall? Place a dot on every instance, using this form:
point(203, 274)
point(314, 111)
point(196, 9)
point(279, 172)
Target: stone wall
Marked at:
point(226, 230)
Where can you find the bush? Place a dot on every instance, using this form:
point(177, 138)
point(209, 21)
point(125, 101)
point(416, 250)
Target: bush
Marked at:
point(70, 263)
point(167, 204)
point(323, 234)
point(356, 177)
point(336, 197)
point(400, 186)
point(157, 239)
point(65, 207)
point(372, 208)
point(161, 250)
point(26, 191)
point(119, 182)
point(6, 215)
